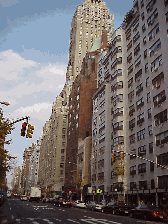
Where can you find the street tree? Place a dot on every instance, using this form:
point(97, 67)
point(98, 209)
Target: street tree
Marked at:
point(6, 159)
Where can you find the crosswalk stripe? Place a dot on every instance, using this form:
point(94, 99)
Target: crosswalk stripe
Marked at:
point(35, 222)
point(48, 221)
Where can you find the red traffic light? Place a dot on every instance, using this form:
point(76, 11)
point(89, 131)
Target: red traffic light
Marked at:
point(24, 124)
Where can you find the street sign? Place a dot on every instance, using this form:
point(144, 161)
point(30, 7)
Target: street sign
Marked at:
point(98, 191)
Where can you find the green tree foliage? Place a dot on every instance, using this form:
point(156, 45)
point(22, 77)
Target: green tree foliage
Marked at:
point(6, 160)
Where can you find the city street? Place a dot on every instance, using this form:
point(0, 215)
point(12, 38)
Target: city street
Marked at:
point(16, 211)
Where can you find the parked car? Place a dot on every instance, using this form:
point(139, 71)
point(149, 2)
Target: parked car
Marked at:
point(23, 197)
point(98, 206)
point(79, 204)
point(148, 212)
point(62, 202)
point(124, 209)
point(91, 205)
point(111, 207)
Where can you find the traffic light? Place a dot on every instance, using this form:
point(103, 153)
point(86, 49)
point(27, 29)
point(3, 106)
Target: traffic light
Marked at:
point(23, 130)
point(29, 131)
point(113, 158)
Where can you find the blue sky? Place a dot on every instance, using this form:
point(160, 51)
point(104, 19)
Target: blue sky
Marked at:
point(34, 45)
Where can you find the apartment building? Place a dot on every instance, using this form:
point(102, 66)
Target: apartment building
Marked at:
point(34, 167)
point(25, 169)
point(80, 122)
point(87, 24)
point(53, 145)
point(145, 28)
point(15, 183)
point(109, 121)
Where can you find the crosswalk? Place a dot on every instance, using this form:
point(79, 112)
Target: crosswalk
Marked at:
point(68, 221)
point(83, 220)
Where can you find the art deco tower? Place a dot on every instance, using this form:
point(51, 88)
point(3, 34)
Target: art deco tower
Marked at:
point(87, 24)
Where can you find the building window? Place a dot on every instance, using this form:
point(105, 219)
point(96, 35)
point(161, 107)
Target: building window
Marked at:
point(145, 53)
point(150, 130)
point(153, 32)
point(132, 124)
point(138, 75)
point(147, 82)
point(152, 18)
point(163, 182)
point(149, 113)
point(62, 158)
point(140, 119)
point(165, 2)
point(143, 28)
point(162, 138)
point(151, 147)
point(159, 99)
point(152, 184)
point(156, 82)
point(118, 140)
point(141, 134)
point(142, 150)
point(151, 166)
point(139, 89)
point(142, 3)
point(140, 103)
point(146, 67)
point(131, 96)
point(142, 185)
point(133, 170)
point(132, 186)
point(133, 154)
point(131, 110)
point(144, 40)
point(155, 47)
point(160, 117)
point(137, 49)
point(132, 139)
point(143, 16)
point(162, 159)
point(62, 150)
point(136, 37)
point(156, 63)
point(138, 61)
point(61, 165)
point(118, 112)
point(148, 97)
point(130, 69)
point(149, 7)
point(102, 138)
point(142, 168)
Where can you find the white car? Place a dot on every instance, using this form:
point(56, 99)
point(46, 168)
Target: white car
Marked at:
point(79, 204)
point(98, 206)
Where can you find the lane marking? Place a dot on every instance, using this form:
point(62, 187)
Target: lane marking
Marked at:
point(58, 220)
point(4, 221)
point(73, 221)
point(48, 221)
point(35, 222)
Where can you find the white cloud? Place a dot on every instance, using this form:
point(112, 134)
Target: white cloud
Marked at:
point(12, 65)
point(40, 111)
point(29, 77)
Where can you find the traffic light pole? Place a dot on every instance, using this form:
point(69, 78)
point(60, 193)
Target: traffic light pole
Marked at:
point(140, 157)
point(27, 117)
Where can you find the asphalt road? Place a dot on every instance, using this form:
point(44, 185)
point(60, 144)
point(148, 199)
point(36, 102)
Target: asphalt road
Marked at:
point(24, 212)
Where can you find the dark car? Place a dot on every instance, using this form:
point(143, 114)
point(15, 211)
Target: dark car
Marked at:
point(148, 212)
point(60, 202)
point(111, 207)
point(124, 209)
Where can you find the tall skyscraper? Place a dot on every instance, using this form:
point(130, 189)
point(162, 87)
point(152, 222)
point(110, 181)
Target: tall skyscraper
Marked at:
point(87, 24)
